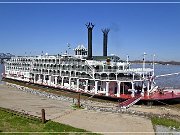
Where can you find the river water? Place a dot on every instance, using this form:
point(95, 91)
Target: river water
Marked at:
point(168, 81)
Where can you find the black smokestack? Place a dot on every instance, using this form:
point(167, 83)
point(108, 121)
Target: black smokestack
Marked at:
point(105, 40)
point(90, 27)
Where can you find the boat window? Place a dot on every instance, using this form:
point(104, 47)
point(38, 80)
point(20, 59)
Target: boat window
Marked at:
point(120, 68)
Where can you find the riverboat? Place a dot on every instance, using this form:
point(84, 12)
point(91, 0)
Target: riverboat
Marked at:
point(100, 76)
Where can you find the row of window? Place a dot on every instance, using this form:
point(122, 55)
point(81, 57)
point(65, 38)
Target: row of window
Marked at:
point(17, 68)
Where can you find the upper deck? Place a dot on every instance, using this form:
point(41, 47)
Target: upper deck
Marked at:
point(64, 65)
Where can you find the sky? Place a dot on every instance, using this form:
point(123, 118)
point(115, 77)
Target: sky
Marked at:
point(135, 28)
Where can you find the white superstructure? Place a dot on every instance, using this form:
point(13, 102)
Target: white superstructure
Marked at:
point(107, 76)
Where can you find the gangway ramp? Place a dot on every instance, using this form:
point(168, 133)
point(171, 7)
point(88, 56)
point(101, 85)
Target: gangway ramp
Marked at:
point(129, 102)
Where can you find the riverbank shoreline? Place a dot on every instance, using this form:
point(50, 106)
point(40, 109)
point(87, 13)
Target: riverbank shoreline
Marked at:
point(73, 97)
point(61, 111)
point(137, 110)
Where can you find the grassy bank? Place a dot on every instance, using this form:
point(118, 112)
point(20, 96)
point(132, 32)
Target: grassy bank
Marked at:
point(9, 122)
point(165, 122)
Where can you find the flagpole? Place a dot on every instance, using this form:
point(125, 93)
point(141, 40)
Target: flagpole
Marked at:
point(127, 59)
point(68, 45)
point(144, 63)
point(153, 64)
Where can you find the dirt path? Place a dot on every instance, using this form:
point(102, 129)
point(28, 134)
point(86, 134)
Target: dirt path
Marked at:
point(32, 104)
point(106, 122)
point(62, 112)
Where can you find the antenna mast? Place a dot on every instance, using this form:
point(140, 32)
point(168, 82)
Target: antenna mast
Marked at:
point(144, 63)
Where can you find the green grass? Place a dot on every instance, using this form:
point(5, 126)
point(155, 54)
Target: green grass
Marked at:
point(13, 123)
point(75, 106)
point(165, 122)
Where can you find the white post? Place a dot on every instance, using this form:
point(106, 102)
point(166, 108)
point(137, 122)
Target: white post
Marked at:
point(104, 86)
point(107, 88)
point(132, 85)
point(56, 81)
point(60, 71)
point(49, 81)
point(62, 81)
point(96, 87)
point(86, 88)
point(148, 88)
point(52, 80)
point(123, 87)
point(118, 89)
point(39, 80)
point(44, 79)
point(69, 82)
point(77, 84)
point(34, 78)
point(93, 72)
point(152, 84)
point(143, 86)
point(132, 89)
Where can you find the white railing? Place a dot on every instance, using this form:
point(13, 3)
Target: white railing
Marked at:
point(168, 74)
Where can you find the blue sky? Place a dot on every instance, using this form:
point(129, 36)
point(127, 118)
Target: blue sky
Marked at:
point(134, 28)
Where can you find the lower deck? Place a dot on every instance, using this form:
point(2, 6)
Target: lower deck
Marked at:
point(158, 95)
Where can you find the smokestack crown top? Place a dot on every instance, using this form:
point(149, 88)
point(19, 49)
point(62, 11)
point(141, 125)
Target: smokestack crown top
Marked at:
point(105, 31)
point(89, 25)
